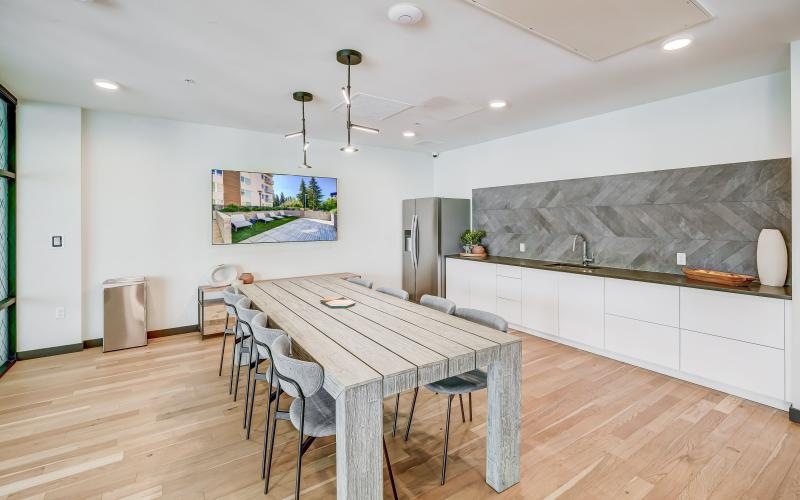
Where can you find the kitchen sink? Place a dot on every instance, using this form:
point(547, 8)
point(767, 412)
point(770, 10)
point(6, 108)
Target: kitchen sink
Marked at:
point(576, 267)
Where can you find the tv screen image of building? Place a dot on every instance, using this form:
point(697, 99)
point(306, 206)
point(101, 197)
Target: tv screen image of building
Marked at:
point(258, 207)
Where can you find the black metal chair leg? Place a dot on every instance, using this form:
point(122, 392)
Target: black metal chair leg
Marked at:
point(266, 432)
point(461, 402)
point(224, 339)
point(233, 353)
point(396, 409)
point(446, 437)
point(247, 391)
point(470, 407)
point(252, 399)
point(299, 450)
point(411, 414)
point(238, 371)
point(272, 440)
point(389, 467)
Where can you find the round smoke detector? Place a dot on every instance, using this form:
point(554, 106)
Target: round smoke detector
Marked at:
point(405, 13)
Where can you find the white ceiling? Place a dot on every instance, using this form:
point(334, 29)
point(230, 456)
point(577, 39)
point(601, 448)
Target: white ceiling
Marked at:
point(247, 56)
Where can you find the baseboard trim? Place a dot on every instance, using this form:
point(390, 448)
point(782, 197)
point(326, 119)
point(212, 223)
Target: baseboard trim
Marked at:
point(49, 351)
point(88, 344)
point(155, 334)
point(794, 414)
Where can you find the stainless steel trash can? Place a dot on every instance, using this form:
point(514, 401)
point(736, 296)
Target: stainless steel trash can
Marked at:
point(124, 313)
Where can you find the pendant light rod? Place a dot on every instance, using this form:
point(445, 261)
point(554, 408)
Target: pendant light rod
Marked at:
point(351, 57)
point(303, 97)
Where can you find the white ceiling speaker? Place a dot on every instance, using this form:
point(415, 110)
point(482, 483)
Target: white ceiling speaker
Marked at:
point(405, 13)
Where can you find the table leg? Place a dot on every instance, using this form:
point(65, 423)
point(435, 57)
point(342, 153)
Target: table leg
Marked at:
point(359, 442)
point(503, 418)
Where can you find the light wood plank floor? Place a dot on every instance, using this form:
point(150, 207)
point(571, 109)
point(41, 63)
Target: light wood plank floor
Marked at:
point(158, 422)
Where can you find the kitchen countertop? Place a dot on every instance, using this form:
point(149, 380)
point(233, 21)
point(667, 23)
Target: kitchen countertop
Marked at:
point(776, 292)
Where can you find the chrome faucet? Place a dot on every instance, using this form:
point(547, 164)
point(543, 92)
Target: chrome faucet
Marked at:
point(586, 259)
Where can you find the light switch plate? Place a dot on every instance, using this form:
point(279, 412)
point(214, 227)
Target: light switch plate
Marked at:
point(522, 247)
point(61, 313)
point(56, 241)
point(681, 259)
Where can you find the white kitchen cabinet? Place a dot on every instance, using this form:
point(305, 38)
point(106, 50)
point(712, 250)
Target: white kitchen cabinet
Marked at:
point(750, 367)
point(650, 342)
point(482, 286)
point(509, 271)
point(758, 320)
point(457, 288)
point(508, 288)
point(540, 300)
point(509, 310)
point(581, 314)
point(643, 301)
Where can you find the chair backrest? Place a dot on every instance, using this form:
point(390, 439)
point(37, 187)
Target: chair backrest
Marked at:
point(237, 217)
point(360, 281)
point(438, 303)
point(245, 314)
point(394, 292)
point(260, 215)
point(231, 299)
point(295, 374)
point(264, 337)
point(482, 317)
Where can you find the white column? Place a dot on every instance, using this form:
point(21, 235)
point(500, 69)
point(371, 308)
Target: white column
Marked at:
point(793, 382)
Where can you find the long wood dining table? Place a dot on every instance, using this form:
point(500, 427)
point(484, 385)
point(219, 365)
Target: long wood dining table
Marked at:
point(382, 346)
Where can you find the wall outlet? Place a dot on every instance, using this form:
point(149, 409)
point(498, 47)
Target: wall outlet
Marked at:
point(681, 259)
point(61, 313)
point(522, 247)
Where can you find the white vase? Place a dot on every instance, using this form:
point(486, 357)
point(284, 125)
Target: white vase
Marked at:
point(772, 258)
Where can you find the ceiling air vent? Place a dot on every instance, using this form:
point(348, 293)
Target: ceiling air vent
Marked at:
point(373, 108)
point(597, 29)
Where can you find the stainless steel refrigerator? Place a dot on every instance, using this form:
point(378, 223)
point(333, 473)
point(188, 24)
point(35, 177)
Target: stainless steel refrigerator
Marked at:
point(431, 228)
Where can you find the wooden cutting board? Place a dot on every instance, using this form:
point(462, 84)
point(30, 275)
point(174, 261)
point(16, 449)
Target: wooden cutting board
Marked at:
point(718, 277)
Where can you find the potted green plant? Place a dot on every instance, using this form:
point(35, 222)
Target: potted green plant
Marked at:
point(471, 241)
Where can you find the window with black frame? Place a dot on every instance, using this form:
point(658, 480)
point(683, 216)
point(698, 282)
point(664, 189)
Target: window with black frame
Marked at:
point(8, 105)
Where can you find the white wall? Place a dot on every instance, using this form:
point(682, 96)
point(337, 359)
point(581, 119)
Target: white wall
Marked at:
point(747, 120)
point(794, 347)
point(48, 203)
point(147, 195)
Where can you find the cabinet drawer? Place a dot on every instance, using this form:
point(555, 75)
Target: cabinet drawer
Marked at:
point(758, 320)
point(509, 271)
point(643, 301)
point(509, 288)
point(750, 367)
point(649, 342)
point(509, 310)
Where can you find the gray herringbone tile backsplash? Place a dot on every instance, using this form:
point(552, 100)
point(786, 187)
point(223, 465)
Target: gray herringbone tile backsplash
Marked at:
point(640, 221)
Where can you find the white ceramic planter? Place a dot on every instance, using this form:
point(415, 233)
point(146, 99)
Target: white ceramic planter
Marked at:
point(772, 258)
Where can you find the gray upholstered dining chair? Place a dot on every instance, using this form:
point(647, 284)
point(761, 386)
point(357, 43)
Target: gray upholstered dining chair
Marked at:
point(313, 411)
point(439, 303)
point(230, 297)
point(402, 295)
point(243, 351)
point(263, 338)
point(360, 281)
point(394, 292)
point(465, 383)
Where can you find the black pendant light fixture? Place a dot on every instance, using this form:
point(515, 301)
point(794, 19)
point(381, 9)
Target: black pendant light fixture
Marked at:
point(351, 57)
point(303, 97)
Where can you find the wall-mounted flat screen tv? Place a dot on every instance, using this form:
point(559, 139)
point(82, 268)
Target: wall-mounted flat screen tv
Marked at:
point(256, 207)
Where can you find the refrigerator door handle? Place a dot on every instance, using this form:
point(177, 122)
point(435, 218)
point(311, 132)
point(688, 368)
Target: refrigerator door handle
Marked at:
point(414, 236)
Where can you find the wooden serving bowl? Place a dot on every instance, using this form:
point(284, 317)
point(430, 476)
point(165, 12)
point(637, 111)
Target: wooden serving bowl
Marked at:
point(718, 277)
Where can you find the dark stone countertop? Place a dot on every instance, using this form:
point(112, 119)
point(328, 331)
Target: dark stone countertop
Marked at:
point(776, 292)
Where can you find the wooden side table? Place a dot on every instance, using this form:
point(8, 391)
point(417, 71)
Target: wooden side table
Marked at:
point(210, 310)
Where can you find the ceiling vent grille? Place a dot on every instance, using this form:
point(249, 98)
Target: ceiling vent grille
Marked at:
point(598, 29)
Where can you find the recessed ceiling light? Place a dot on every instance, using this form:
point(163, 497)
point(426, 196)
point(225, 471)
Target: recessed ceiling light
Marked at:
point(348, 149)
point(676, 43)
point(409, 133)
point(497, 104)
point(106, 84)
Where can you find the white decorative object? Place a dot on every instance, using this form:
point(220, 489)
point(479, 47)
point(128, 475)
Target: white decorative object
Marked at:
point(772, 258)
point(222, 275)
